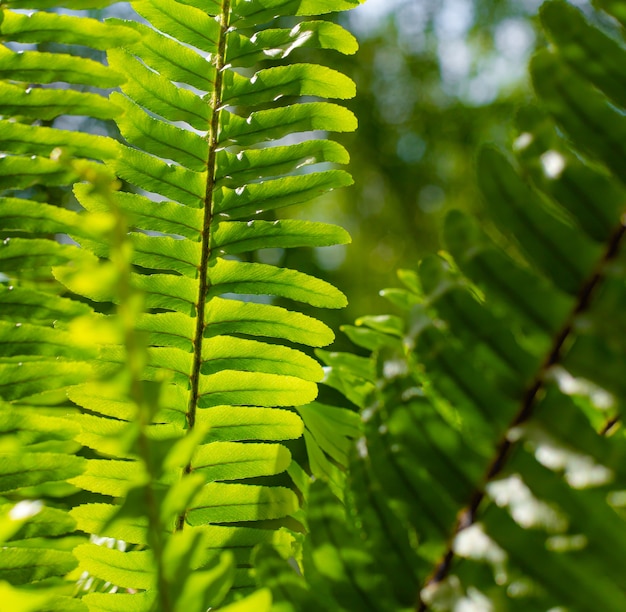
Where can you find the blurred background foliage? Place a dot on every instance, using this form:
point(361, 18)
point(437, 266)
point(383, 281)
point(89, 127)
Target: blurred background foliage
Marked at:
point(435, 78)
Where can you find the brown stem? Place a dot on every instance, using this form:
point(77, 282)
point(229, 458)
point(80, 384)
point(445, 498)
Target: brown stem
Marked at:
point(467, 516)
point(609, 425)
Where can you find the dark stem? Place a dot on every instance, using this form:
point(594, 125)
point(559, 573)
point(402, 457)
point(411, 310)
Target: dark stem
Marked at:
point(609, 425)
point(467, 516)
point(216, 103)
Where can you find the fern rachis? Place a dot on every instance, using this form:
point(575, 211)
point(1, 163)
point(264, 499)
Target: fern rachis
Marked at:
point(227, 481)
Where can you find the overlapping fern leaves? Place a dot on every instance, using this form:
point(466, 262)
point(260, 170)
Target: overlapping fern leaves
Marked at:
point(190, 439)
point(491, 472)
point(147, 407)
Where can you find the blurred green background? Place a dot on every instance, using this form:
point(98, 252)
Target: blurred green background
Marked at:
point(435, 79)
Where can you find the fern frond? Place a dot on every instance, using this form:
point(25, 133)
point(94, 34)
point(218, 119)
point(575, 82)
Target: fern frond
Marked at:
point(215, 147)
point(490, 471)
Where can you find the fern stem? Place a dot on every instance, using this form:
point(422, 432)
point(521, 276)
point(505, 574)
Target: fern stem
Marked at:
point(609, 425)
point(467, 516)
point(216, 103)
point(156, 532)
point(128, 310)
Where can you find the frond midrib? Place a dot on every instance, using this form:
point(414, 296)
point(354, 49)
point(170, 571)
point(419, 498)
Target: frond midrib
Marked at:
point(467, 515)
point(206, 234)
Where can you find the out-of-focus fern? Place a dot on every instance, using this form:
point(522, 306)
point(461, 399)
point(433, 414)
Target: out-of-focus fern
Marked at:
point(490, 475)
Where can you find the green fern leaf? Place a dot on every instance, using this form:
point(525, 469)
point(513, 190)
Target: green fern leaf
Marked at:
point(24, 565)
point(39, 27)
point(38, 67)
point(137, 602)
point(132, 570)
point(210, 151)
point(488, 471)
point(49, 104)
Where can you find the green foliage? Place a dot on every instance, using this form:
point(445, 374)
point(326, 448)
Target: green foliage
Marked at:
point(490, 474)
point(148, 401)
point(435, 80)
point(162, 445)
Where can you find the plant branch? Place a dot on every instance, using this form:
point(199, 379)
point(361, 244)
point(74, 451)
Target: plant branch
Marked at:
point(609, 425)
point(467, 516)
